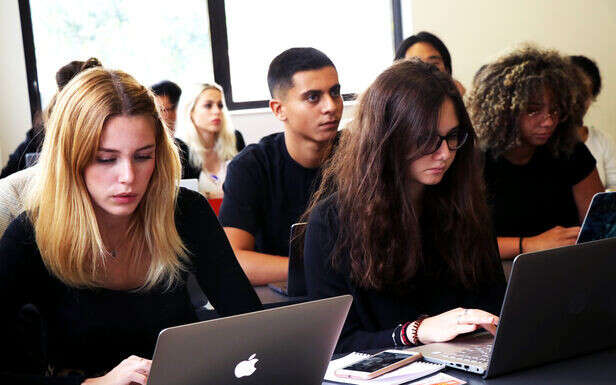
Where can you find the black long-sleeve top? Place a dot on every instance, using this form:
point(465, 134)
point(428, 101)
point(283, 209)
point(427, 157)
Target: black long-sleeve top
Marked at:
point(374, 315)
point(93, 330)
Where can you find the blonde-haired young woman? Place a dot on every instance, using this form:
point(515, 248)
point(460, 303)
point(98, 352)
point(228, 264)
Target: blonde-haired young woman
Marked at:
point(204, 124)
point(108, 239)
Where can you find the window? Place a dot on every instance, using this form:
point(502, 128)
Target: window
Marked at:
point(152, 40)
point(359, 37)
point(160, 39)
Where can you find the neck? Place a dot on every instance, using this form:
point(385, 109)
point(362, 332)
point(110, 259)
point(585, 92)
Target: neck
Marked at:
point(520, 155)
point(208, 139)
point(112, 228)
point(583, 133)
point(307, 153)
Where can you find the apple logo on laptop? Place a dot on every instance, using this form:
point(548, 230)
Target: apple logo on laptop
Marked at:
point(246, 368)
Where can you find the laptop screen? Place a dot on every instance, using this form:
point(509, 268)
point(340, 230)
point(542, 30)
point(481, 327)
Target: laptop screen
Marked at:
point(600, 221)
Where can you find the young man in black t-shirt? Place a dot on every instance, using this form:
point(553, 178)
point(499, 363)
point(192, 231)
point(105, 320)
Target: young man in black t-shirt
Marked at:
point(268, 185)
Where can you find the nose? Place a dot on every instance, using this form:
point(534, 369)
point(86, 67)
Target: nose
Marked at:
point(127, 172)
point(548, 120)
point(443, 152)
point(330, 104)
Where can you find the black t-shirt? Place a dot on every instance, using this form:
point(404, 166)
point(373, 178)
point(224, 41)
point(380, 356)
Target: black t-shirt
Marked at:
point(265, 192)
point(94, 329)
point(373, 314)
point(530, 199)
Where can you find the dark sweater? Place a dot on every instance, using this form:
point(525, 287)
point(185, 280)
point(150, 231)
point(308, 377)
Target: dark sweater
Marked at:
point(374, 315)
point(94, 329)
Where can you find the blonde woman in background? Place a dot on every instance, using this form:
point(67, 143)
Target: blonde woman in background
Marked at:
point(107, 239)
point(204, 124)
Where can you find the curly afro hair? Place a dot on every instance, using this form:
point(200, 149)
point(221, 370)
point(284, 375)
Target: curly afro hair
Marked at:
point(507, 86)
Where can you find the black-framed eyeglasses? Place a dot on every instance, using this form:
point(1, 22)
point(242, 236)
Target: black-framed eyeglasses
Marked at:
point(455, 139)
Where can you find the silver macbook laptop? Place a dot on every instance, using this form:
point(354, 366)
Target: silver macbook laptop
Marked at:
point(559, 303)
point(284, 345)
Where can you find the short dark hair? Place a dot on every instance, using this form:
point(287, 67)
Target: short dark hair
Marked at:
point(590, 69)
point(425, 37)
point(169, 89)
point(68, 71)
point(291, 61)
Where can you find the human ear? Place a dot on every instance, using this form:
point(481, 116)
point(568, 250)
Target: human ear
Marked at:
point(278, 109)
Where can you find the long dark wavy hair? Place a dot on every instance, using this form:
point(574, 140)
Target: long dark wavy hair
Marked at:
point(382, 239)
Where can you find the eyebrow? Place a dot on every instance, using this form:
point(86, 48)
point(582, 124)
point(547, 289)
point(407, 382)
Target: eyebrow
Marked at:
point(453, 129)
point(103, 149)
point(319, 92)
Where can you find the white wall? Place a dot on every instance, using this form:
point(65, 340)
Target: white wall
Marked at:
point(476, 31)
point(14, 101)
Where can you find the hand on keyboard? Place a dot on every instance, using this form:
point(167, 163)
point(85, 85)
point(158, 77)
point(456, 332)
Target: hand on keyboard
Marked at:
point(447, 326)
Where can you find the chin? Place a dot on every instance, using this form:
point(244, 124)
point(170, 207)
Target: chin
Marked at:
point(324, 136)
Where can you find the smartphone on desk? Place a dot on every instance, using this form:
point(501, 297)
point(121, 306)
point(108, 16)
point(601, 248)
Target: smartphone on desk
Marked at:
point(378, 364)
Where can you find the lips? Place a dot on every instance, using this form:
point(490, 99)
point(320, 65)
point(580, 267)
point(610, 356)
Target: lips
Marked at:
point(215, 121)
point(330, 124)
point(436, 170)
point(123, 198)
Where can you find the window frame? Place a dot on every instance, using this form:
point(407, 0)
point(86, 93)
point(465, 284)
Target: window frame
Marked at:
point(219, 46)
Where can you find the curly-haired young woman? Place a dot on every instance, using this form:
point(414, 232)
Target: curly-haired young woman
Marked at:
point(540, 179)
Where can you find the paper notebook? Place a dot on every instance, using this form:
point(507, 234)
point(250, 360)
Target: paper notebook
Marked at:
point(399, 376)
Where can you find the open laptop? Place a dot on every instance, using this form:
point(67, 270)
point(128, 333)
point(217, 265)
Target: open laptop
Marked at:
point(283, 345)
point(295, 285)
point(559, 303)
point(600, 220)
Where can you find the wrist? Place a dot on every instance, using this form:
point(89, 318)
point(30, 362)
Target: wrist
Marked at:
point(413, 331)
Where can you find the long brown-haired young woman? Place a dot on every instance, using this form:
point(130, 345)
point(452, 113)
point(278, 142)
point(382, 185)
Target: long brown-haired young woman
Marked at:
point(400, 221)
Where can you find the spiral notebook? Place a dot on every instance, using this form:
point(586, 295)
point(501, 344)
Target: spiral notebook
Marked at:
point(399, 376)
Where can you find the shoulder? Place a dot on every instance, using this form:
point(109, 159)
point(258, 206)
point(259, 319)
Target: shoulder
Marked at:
point(261, 154)
point(189, 200)
point(240, 144)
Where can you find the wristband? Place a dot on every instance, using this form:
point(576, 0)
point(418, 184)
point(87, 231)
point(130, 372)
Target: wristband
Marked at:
point(397, 341)
point(415, 327)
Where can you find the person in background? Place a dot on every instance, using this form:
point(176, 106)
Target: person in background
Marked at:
point(206, 127)
point(109, 170)
point(26, 153)
point(601, 146)
point(400, 221)
point(167, 97)
point(430, 49)
point(540, 178)
point(269, 184)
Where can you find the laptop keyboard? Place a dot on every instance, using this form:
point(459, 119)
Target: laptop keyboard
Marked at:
point(475, 353)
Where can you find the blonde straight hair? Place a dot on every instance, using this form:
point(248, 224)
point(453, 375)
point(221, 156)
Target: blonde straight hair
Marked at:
point(225, 146)
point(59, 205)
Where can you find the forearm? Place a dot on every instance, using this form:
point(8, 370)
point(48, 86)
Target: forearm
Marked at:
point(509, 247)
point(261, 268)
